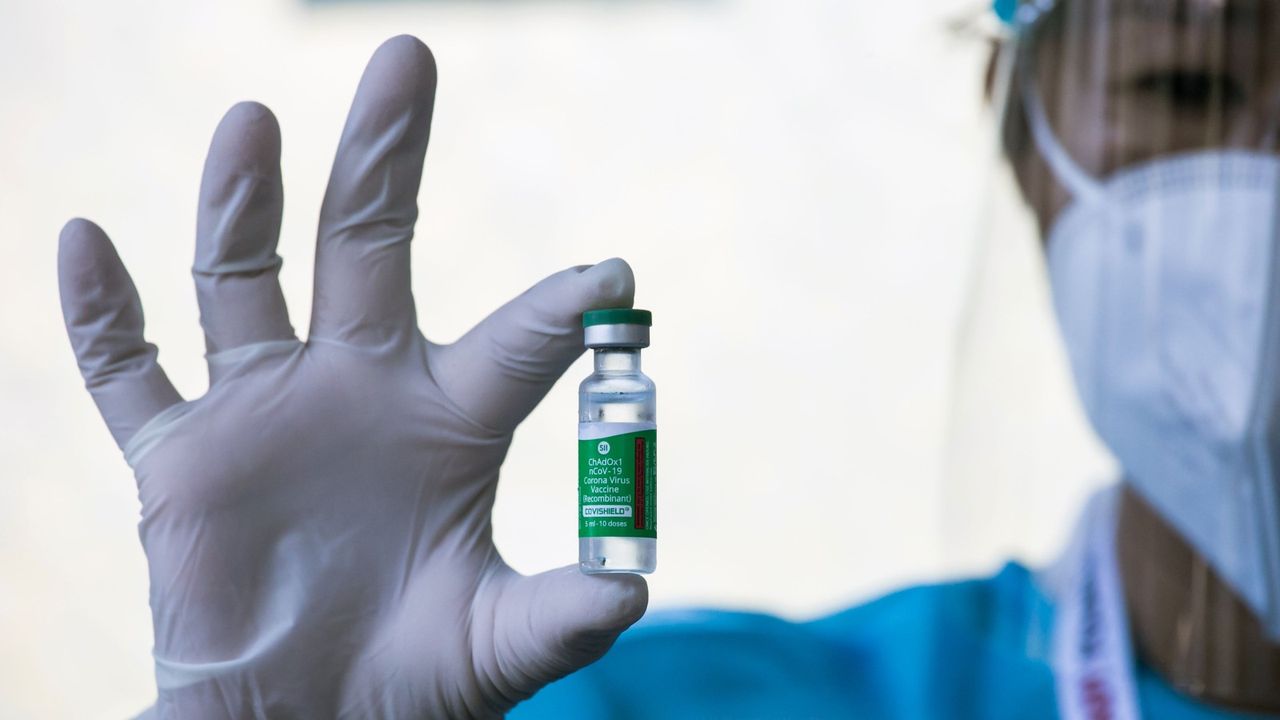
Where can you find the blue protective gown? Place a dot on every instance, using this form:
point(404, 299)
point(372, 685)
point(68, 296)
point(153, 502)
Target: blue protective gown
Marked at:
point(973, 649)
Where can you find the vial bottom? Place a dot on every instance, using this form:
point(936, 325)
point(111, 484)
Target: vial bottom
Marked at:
point(617, 555)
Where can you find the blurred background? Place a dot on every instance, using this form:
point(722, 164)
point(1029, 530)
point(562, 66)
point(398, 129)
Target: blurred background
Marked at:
point(860, 380)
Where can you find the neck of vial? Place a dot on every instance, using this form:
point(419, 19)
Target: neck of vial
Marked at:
point(618, 360)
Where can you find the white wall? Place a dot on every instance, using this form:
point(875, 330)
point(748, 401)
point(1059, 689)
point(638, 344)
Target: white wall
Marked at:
point(802, 187)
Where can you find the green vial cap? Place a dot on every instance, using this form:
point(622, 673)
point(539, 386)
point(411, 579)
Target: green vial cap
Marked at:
point(617, 316)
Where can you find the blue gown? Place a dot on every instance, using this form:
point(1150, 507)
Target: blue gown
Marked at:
point(972, 649)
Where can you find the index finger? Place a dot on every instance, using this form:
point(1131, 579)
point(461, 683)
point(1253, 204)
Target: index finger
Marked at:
point(362, 290)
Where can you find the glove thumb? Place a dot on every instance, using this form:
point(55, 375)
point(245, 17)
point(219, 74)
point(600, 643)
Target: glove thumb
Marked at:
point(552, 624)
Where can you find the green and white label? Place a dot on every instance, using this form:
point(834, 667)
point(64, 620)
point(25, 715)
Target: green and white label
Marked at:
point(617, 480)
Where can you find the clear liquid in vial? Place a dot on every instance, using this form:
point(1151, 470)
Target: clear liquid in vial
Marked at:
point(617, 393)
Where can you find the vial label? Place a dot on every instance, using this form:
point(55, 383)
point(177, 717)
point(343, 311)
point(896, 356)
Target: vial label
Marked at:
point(617, 480)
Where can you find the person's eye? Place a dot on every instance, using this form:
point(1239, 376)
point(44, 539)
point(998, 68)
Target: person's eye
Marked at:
point(1190, 90)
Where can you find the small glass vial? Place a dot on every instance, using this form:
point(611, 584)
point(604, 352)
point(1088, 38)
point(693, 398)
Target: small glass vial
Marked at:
point(617, 448)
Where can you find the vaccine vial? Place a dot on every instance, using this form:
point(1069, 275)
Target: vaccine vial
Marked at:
point(617, 448)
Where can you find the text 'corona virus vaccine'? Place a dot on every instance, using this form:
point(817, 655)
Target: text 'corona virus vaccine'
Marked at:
point(617, 447)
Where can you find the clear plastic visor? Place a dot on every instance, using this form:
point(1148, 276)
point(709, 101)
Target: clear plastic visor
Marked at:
point(1139, 172)
point(1123, 82)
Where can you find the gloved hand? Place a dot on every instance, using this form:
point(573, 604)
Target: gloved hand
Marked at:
point(317, 525)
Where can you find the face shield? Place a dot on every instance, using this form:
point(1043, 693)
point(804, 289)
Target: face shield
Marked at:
point(1138, 143)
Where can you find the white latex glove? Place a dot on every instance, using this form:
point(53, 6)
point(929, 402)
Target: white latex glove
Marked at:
point(317, 525)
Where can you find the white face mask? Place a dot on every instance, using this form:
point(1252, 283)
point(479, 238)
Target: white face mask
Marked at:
point(1165, 283)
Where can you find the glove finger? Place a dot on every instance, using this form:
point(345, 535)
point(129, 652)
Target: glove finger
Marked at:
point(236, 267)
point(362, 293)
point(549, 625)
point(504, 366)
point(104, 321)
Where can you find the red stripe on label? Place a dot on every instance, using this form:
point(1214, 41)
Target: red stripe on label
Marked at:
point(638, 485)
